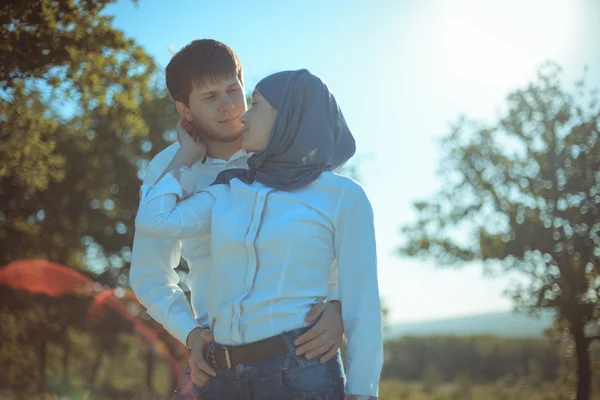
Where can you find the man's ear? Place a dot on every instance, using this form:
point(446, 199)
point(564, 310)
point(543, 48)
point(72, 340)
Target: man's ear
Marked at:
point(184, 111)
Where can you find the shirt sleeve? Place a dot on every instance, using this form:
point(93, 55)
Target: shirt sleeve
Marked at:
point(332, 283)
point(166, 212)
point(359, 292)
point(154, 281)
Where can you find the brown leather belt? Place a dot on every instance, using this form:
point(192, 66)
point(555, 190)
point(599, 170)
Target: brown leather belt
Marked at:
point(228, 357)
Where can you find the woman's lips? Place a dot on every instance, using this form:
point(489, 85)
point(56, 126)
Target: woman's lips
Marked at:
point(229, 120)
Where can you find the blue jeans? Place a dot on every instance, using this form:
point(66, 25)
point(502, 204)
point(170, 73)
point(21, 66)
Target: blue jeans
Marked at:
point(285, 377)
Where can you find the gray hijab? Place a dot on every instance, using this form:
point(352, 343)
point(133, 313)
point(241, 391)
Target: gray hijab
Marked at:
point(309, 134)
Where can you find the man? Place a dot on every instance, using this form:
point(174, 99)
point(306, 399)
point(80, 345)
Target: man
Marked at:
point(205, 79)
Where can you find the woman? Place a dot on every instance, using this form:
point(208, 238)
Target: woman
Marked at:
point(278, 230)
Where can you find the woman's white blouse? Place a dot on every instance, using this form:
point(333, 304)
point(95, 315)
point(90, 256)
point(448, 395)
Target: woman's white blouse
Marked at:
point(273, 253)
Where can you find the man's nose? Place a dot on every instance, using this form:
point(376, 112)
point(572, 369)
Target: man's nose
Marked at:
point(226, 104)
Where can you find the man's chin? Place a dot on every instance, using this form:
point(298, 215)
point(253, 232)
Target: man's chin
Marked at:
point(224, 137)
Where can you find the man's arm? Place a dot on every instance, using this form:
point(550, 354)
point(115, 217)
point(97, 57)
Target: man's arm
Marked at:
point(152, 275)
point(155, 284)
point(158, 285)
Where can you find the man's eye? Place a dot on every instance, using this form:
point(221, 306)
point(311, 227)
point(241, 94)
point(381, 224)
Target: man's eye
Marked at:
point(234, 90)
point(212, 96)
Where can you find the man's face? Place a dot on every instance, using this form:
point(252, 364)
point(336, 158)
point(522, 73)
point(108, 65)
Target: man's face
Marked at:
point(215, 108)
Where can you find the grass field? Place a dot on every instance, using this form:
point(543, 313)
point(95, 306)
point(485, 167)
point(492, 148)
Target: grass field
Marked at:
point(464, 390)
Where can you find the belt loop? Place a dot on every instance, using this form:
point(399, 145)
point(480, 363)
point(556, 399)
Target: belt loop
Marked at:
point(227, 358)
point(289, 339)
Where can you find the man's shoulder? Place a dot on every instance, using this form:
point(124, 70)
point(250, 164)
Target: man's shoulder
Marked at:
point(163, 158)
point(157, 165)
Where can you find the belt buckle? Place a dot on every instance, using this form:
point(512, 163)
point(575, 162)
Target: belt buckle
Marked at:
point(225, 351)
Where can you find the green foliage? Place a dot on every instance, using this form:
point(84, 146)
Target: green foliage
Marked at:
point(78, 118)
point(41, 34)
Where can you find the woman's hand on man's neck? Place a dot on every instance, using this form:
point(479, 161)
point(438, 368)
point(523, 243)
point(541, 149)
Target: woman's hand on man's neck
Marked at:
point(222, 150)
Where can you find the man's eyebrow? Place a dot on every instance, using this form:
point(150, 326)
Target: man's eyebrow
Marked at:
point(215, 91)
point(202, 94)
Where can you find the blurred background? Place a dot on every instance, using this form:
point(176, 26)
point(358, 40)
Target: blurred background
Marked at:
point(478, 133)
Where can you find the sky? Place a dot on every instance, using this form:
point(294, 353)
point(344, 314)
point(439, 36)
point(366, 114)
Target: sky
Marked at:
point(402, 72)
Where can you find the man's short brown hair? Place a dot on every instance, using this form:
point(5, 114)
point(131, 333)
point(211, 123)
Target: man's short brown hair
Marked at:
point(198, 61)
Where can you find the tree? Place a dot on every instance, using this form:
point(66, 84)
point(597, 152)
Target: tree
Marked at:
point(524, 195)
point(74, 129)
point(43, 34)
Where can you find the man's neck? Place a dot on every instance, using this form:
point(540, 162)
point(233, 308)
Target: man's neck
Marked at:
point(223, 151)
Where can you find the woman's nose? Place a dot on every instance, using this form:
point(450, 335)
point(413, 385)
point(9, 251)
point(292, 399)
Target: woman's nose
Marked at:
point(244, 118)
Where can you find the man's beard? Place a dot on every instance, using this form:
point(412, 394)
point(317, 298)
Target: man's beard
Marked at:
point(211, 135)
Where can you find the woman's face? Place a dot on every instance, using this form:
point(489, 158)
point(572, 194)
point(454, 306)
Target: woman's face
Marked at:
point(258, 122)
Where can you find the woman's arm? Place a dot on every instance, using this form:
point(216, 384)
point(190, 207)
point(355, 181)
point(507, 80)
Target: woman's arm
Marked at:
point(165, 210)
point(160, 213)
point(359, 293)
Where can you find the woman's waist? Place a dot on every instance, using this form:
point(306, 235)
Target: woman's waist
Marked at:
point(268, 355)
point(252, 327)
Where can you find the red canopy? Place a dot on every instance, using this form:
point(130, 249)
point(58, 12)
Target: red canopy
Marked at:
point(41, 276)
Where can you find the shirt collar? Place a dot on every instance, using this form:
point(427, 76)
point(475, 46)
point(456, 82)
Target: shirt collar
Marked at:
point(236, 156)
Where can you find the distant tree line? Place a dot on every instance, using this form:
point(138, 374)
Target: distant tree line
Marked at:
point(481, 358)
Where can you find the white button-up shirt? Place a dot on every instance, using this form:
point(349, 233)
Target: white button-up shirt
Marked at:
point(273, 252)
